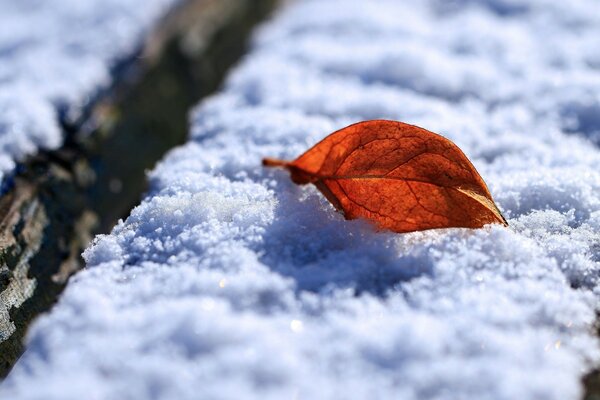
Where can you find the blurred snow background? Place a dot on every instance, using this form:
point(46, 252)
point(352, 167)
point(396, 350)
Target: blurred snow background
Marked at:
point(230, 282)
point(54, 57)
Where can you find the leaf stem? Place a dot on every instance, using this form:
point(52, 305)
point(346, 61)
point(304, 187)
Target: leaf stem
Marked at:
point(274, 162)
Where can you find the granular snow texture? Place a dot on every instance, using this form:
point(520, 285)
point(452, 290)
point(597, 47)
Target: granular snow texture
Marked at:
point(231, 282)
point(54, 56)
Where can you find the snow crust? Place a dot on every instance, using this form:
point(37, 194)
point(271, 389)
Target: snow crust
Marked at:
point(231, 282)
point(54, 56)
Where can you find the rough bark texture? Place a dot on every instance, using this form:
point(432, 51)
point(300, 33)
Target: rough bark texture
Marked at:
point(60, 199)
point(592, 385)
point(592, 380)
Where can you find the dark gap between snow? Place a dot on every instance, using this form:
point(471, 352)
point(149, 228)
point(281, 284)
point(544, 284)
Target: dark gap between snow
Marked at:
point(58, 200)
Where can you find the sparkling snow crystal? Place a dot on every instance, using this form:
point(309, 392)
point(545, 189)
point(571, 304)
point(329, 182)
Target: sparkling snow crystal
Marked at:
point(231, 282)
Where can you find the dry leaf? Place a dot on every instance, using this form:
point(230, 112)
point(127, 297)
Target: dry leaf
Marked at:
point(399, 176)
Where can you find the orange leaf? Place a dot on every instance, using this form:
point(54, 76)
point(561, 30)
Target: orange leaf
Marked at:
point(399, 176)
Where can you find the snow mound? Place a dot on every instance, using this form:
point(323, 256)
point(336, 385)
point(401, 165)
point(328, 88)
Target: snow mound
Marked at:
point(230, 282)
point(54, 56)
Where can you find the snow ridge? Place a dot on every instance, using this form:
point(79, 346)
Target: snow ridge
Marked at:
point(230, 282)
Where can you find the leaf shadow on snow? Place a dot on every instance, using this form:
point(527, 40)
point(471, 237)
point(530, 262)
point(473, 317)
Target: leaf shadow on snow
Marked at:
point(312, 243)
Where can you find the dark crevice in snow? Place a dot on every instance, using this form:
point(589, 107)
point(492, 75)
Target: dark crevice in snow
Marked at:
point(57, 200)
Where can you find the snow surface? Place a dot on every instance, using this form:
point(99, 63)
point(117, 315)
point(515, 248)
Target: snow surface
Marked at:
point(230, 282)
point(54, 56)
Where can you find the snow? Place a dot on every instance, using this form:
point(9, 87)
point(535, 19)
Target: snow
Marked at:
point(228, 281)
point(54, 57)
